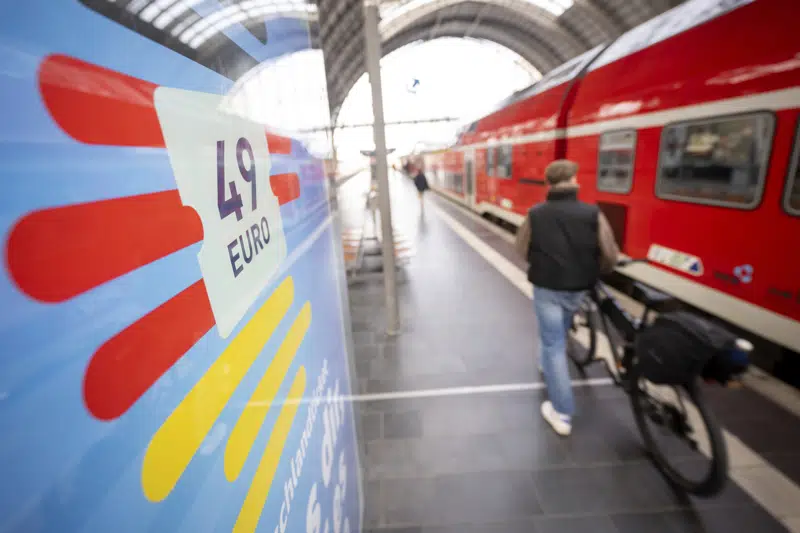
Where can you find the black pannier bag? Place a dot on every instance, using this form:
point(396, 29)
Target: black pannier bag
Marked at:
point(679, 346)
point(724, 366)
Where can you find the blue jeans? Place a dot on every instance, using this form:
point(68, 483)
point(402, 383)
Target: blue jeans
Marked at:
point(554, 311)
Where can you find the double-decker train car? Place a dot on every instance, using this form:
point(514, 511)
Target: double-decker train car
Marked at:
point(687, 133)
point(173, 329)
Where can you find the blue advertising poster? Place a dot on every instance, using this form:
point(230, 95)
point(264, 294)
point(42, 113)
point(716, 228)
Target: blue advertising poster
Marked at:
point(173, 345)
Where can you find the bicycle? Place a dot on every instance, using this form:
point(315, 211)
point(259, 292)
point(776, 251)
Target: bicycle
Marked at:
point(647, 400)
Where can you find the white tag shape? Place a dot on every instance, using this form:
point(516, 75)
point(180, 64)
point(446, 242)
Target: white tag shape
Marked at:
point(222, 168)
point(674, 259)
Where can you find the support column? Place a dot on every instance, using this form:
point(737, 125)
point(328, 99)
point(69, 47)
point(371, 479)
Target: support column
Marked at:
point(373, 58)
point(333, 151)
point(334, 168)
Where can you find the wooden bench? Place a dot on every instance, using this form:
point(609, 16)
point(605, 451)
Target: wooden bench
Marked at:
point(358, 249)
point(357, 246)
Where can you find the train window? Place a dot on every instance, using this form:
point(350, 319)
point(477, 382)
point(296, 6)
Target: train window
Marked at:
point(458, 182)
point(616, 154)
point(453, 181)
point(490, 160)
point(721, 161)
point(791, 199)
point(504, 161)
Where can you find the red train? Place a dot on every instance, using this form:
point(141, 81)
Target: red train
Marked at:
point(687, 133)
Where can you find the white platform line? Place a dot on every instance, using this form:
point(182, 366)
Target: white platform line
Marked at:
point(792, 524)
point(462, 207)
point(435, 393)
point(780, 393)
point(506, 267)
point(462, 391)
point(774, 491)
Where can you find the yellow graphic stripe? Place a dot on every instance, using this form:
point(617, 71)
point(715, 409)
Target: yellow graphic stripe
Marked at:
point(246, 430)
point(262, 481)
point(179, 438)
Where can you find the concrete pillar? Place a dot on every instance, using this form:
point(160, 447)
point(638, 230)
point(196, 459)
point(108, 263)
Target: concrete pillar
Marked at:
point(373, 57)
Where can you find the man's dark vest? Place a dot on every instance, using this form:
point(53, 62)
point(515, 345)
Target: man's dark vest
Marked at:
point(564, 253)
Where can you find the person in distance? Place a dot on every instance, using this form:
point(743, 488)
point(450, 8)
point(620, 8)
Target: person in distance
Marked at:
point(421, 183)
point(568, 244)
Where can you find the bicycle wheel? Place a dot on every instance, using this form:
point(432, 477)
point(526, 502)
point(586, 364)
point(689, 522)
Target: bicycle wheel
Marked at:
point(584, 330)
point(685, 417)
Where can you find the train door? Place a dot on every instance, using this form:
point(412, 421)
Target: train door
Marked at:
point(469, 175)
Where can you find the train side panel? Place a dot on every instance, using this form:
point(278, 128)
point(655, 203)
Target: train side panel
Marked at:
point(687, 145)
point(508, 190)
point(750, 251)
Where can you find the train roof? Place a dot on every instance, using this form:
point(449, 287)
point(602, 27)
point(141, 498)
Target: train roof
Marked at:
point(558, 75)
point(670, 23)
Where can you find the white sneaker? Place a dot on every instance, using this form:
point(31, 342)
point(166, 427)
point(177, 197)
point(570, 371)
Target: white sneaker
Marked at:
point(560, 423)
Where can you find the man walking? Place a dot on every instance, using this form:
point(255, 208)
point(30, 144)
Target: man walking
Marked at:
point(421, 183)
point(568, 244)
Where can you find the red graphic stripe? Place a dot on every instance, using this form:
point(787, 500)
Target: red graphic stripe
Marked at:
point(128, 364)
point(286, 187)
point(100, 241)
point(58, 253)
point(278, 144)
point(95, 105)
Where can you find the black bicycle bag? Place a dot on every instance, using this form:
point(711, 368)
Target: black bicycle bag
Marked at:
point(678, 347)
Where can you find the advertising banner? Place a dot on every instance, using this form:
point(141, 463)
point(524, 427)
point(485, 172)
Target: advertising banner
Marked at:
point(174, 353)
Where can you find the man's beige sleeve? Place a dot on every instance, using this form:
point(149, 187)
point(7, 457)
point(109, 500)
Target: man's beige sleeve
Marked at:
point(523, 238)
point(609, 251)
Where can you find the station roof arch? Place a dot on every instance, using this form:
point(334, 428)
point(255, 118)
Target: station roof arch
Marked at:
point(544, 33)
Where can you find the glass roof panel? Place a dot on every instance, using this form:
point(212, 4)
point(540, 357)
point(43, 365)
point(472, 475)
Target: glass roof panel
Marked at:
point(395, 8)
point(194, 29)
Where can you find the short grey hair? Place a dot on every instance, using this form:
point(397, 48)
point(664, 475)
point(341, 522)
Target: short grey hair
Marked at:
point(560, 171)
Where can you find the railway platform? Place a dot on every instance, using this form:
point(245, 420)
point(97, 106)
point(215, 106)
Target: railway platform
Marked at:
point(449, 408)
